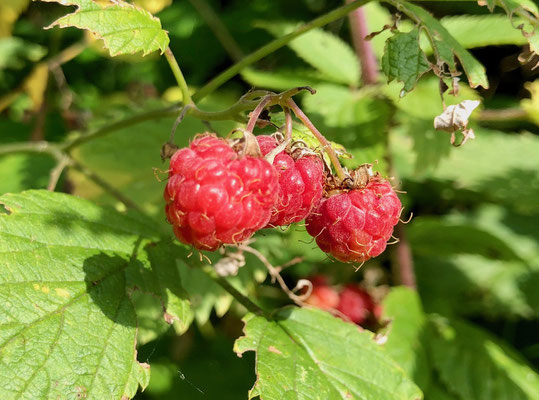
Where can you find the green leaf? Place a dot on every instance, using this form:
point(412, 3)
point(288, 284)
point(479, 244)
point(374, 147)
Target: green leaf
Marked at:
point(405, 343)
point(67, 324)
point(482, 30)
point(432, 236)
point(470, 285)
point(324, 51)
point(24, 171)
point(475, 365)
point(155, 272)
point(124, 28)
point(309, 354)
point(205, 294)
point(445, 45)
point(14, 52)
point(404, 60)
point(527, 21)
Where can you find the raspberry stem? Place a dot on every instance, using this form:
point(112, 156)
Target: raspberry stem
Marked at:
point(326, 146)
point(256, 113)
point(186, 97)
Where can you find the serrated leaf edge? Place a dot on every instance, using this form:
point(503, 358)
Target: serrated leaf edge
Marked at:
point(118, 3)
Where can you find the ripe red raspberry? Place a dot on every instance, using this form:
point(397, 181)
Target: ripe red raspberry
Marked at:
point(323, 296)
point(214, 196)
point(300, 184)
point(354, 226)
point(356, 304)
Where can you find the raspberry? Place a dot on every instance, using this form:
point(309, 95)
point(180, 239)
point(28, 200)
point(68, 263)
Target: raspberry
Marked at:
point(322, 296)
point(214, 196)
point(356, 304)
point(354, 226)
point(300, 184)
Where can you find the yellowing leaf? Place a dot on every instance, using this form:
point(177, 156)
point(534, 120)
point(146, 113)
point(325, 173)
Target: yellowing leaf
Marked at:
point(153, 6)
point(124, 28)
point(9, 12)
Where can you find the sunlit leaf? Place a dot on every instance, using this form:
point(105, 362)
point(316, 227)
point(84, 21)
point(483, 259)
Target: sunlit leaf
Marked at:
point(475, 365)
point(67, 325)
point(124, 28)
point(308, 353)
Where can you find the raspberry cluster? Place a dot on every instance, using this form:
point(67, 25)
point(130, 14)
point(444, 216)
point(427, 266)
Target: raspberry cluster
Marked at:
point(351, 301)
point(219, 195)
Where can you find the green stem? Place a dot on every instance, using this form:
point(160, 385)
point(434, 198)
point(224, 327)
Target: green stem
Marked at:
point(326, 146)
point(186, 97)
point(243, 300)
point(219, 29)
point(275, 45)
point(106, 186)
point(32, 147)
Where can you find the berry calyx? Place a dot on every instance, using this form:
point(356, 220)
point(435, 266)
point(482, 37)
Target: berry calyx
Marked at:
point(215, 196)
point(355, 225)
point(301, 181)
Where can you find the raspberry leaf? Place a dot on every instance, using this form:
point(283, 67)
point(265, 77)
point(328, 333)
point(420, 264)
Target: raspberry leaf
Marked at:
point(124, 28)
point(69, 268)
point(295, 357)
point(524, 15)
point(404, 60)
point(481, 30)
point(324, 51)
point(403, 308)
point(474, 364)
point(446, 47)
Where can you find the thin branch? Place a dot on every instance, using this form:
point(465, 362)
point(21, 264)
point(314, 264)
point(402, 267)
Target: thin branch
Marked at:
point(186, 97)
point(219, 29)
point(56, 172)
point(275, 275)
point(256, 113)
point(364, 51)
point(276, 44)
point(243, 300)
point(125, 123)
point(106, 186)
point(326, 146)
point(403, 263)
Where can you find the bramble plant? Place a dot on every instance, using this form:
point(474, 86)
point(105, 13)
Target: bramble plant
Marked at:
point(306, 194)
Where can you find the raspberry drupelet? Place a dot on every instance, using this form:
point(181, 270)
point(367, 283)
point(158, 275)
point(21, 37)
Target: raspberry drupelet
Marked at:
point(215, 196)
point(301, 184)
point(355, 225)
